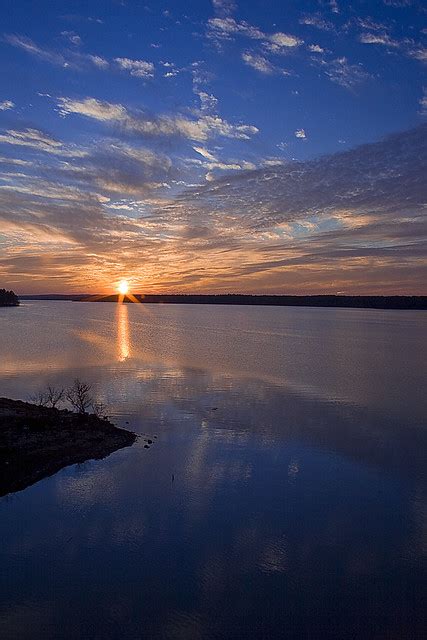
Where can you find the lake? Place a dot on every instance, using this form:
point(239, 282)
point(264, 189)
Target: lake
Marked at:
point(284, 494)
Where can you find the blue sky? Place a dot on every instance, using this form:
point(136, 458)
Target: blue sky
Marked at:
point(188, 146)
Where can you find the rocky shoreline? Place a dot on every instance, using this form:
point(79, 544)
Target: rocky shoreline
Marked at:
point(36, 442)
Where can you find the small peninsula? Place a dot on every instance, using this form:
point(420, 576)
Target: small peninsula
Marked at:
point(37, 441)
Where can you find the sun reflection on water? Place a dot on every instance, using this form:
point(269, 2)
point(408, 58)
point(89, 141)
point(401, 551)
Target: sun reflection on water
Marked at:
point(123, 340)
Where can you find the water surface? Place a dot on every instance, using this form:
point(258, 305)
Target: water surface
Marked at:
point(284, 494)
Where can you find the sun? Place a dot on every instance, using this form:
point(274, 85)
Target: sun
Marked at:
point(123, 287)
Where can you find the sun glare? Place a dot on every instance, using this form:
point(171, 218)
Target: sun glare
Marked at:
point(123, 287)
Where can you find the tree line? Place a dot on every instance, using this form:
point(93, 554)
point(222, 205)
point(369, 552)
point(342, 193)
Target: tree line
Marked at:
point(78, 396)
point(8, 298)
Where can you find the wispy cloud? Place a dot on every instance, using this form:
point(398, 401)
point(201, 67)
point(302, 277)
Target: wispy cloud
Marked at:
point(159, 125)
point(315, 48)
point(398, 3)
point(269, 45)
point(212, 164)
point(35, 139)
point(341, 71)
point(224, 7)
point(72, 59)
point(72, 37)
point(423, 102)
point(258, 62)
point(6, 105)
point(318, 21)
point(99, 61)
point(208, 102)
point(378, 38)
point(221, 29)
point(27, 45)
point(419, 53)
point(137, 68)
point(384, 34)
point(76, 59)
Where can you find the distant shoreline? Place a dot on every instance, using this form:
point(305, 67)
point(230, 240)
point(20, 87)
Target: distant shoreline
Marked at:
point(332, 301)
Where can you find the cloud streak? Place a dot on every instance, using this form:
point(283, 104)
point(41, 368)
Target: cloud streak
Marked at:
point(139, 123)
point(137, 68)
point(223, 29)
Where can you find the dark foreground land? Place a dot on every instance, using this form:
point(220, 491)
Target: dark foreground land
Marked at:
point(357, 302)
point(36, 442)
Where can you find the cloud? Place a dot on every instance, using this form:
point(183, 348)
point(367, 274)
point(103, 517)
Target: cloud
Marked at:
point(27, 45)
point(398, 3)
point(72, 37)
point(300, 133)
point(378, 38)
point(371, 25)
point(316, 20)
point(92, 108)
point(262, 64)
point(280, 42)
point(282, 146)
point(222, 29)
point(341, 72)
point(71, 59)
point(6, 105)
point(205, 153)
point(167, 125)
point(423, 103)
point(212, 164)
point(99, 62)
point(208, 102)
point(225, 28)
point(315, 48)
point(224, 7)
point(380, 34)
point(137, 68)
point(419, 53)
point(36, 139)
point(15, 161)
point(81, 61)
point(258, 62)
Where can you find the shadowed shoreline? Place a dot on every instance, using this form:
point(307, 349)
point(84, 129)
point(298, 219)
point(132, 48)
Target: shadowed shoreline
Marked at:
point(36, 442)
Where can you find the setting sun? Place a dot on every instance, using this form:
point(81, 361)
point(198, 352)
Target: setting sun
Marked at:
point(123, 287)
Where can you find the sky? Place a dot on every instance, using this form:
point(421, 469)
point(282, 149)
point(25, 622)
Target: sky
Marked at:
point(216, 146)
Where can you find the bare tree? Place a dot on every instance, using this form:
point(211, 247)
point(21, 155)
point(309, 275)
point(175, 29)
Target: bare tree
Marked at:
point(55, 395)
point(39, 398)
point(78, 395)
point(51, 397)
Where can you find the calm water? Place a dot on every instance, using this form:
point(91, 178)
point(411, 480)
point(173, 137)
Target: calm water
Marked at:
point(284, 496)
